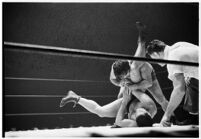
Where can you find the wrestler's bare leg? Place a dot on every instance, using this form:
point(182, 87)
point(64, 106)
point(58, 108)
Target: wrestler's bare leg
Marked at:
point(109, 110)
point(146, 101)
point(141, 51)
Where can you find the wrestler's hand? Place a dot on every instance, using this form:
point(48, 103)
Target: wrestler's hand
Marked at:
point(187, 81)
point(133, 86)
point(165, 121)
point(122, 83)
point(128, 84)
point(115, 126)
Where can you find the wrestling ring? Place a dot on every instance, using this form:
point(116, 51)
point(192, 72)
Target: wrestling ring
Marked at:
point(94, 131)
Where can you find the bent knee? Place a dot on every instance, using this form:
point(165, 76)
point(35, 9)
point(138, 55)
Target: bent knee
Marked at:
point(102, 115)
point(101, 112)
point(153, 109)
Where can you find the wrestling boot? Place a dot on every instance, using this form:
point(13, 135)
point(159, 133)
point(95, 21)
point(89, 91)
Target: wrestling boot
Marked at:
point(70, 97)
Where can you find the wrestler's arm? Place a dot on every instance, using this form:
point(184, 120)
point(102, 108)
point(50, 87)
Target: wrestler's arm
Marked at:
point(114, 80)
point(176, 96)
point(158, 95)
point(120, 121)
point(117, 83)
point(120, 95)
point(146, 79)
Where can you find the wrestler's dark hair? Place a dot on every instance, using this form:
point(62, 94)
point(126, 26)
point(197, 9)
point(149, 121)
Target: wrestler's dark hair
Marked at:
point(144, 120)
point(120, 67)
point(155, 46)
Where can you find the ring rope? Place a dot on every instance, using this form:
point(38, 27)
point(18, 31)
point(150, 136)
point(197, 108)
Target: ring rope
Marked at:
point(44, 114)
point(41, 114)
point(91, 54)
point(61, 80)
point(59, 96)
point(57, 80)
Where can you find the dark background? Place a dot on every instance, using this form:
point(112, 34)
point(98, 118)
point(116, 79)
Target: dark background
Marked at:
point(105, 27)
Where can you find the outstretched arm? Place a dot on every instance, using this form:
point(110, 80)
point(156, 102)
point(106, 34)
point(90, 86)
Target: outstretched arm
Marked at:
point(121, 113)
point(120, 121)
point(158, 95)
point(175, 98)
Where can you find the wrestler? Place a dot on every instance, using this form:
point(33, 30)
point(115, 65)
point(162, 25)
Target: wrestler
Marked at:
point(138, 75)
point(139, 114)
point(111, 109)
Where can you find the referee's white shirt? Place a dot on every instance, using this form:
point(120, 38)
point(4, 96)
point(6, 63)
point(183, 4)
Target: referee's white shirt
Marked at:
point(182, 51)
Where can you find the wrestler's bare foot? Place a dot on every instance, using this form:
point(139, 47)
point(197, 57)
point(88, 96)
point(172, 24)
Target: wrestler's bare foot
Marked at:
point(140, 26)
point(70, 97)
